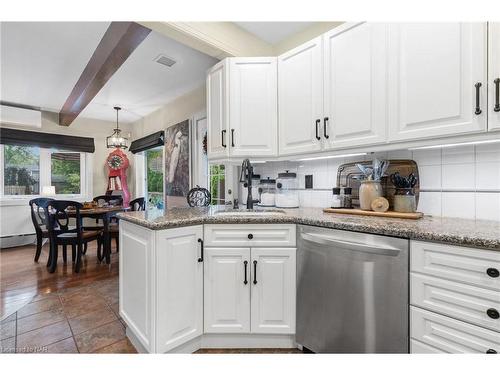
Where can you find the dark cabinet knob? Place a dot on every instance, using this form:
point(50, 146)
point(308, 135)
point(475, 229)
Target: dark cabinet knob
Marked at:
point(492, 272)
point(491, 351)
point(250, 236)
point(493, 313)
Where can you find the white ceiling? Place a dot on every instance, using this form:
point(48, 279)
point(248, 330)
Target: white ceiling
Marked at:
point(273, 32)
point(41, 62)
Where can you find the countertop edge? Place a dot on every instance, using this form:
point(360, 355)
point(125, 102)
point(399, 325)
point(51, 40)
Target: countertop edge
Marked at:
point(452, 239)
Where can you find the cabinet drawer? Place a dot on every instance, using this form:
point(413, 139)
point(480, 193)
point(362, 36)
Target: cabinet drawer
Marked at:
point(461, 301)
point(252, 235)
point(417, 347)
point(462, 264)
point(450, 335)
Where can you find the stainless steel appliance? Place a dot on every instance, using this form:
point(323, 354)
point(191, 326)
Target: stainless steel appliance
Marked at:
point(352, 292)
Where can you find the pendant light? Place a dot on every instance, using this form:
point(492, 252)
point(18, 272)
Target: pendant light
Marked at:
point(116, 140)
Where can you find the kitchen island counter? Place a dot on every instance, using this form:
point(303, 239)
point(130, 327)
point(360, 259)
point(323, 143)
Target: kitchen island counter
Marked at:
point(453, 231)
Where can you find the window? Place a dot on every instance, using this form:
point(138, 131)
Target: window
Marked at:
point(26, 169)
point(218, 183)
point(65, 172)
point(21, 170)
point(154, 177)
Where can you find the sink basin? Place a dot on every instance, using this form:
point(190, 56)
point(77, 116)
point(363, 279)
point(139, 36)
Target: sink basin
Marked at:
point(249, 213)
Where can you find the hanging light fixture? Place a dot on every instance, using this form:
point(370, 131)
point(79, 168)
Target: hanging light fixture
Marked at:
point(116, 140)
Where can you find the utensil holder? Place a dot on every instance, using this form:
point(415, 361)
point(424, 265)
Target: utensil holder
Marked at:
point(404, 200)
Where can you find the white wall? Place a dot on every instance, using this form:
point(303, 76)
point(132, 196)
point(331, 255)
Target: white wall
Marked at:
point(455, 182)
point(15, 215)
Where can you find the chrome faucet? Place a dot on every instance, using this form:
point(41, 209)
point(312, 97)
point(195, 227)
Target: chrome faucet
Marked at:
point(247, 172)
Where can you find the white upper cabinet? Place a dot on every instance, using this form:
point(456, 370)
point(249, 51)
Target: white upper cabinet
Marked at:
point(179, 287)
point(242, 108)
point(217, 111)
point(273, 290)
point(253, 106)
point(355, 85)
point(226, 295)
point(435, 70)
point(494, 76)
point(300, 96)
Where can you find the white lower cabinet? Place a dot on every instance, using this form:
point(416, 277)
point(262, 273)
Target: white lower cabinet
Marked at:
point(227, 296)
point(273, 290)
point(249, 290)
point(455, 299)
point(179, 308)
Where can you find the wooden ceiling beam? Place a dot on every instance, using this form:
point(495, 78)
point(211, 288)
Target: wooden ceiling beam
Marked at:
point(117, 44)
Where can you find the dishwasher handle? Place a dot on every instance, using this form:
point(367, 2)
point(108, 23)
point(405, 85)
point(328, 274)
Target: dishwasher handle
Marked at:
point(354, 246)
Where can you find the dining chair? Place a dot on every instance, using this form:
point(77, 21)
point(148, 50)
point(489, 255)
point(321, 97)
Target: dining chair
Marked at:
point(39, 219)
point(137, 204)
point(59, 214)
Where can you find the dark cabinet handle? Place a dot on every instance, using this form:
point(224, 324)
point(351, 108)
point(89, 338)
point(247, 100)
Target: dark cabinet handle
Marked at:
point(493, 313)
point(254, 272)
point(491, 351)
point(245, 264)
point(232, 137)
point(223, 135)
point(317, 129)
point(325, 126)
point(497, 95)
point(200, 259)
point(478, 105)
point(250, 236)
point(492, 272)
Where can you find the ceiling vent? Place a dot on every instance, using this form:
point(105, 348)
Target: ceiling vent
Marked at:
point(165, 60)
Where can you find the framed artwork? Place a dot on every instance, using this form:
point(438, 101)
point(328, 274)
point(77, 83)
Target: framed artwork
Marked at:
point(177, 163)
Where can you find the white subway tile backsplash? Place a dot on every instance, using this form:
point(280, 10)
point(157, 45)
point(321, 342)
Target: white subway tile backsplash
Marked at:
point(488, 153)
point(488, 206)
point(430, 203)
point(430, 176)
point(427, 157)
point(461, 205)
point(458, 155)
point(465, 168)
point(488, 176)
point(458, 176)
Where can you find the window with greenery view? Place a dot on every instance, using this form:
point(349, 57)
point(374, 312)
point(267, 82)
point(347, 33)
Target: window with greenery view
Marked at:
point(218, 183)
point(21, 170)
point(154, 176)
point(65, 172)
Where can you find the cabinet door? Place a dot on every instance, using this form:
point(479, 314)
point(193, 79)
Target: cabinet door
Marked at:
point(355, 78)
point(273, 290)
point(300, 96)
point(433, 71)
point(494, 76)
point(253, 103)
point(179, 286)
point(227, 297)
point(217, 111)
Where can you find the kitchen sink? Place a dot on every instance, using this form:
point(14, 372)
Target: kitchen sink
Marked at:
point(249, 213)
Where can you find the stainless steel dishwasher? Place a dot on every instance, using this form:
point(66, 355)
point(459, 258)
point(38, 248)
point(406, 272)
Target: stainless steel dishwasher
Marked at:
point(352, 292)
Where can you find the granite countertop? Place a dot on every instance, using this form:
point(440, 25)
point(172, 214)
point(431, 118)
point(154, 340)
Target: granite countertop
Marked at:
point(464, 232)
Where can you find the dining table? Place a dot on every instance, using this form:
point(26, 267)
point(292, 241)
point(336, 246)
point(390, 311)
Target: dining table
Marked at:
point(106, 214)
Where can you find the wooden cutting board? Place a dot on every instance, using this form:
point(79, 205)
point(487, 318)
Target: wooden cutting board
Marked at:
point(394, 214)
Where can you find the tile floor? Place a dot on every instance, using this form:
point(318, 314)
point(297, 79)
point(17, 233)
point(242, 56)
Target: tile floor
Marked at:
point(72, 320)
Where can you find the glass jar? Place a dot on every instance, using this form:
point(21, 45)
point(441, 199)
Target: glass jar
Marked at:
point(244, 189)
point(346, 197)
point(267, 190)
point(336, 201)
point(287, 195)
